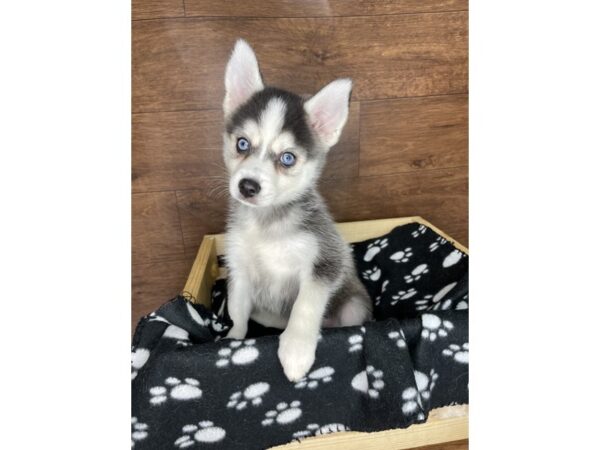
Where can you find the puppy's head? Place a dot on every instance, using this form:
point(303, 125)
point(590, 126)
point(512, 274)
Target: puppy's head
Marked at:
point(275, 143)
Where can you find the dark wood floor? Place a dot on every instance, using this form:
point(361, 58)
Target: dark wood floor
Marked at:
point(403, 152)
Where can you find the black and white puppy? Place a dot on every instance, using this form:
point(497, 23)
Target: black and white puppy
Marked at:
point(288, 267)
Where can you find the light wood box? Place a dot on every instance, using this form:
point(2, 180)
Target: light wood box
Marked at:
point(443, 425)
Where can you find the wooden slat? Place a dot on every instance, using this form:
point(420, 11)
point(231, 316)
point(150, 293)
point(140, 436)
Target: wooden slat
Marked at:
point(154, 284)
point(155, 9)
point(179, 64)
point(178, 150)
point(204, 272)
point(407, 134)
point(318, 8)
point(156, 232)
point(435, 431)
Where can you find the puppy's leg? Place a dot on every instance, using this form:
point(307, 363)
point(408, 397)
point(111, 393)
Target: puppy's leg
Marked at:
point(297, 344)
point(239, 305)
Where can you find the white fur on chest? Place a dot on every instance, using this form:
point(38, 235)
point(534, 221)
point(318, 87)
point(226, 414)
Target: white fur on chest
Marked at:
point(271, 259)
point(270, 252)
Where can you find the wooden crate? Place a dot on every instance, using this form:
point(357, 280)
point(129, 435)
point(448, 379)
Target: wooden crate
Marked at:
point(443, 425)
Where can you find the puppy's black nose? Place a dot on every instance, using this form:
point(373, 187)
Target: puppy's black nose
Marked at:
point(249, 188)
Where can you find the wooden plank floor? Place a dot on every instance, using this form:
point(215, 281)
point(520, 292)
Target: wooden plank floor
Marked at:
point(403, 152)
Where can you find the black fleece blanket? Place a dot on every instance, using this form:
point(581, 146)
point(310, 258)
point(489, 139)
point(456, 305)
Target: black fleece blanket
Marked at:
point(192, 389)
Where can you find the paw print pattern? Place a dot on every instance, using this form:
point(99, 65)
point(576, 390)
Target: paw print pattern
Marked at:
point(460, 353)
point(384, 286)
point(464, 303)
point(316, 377)
point(139, 431)
point(139, 357)
point(369, 381)
point(179, 334)
point(238, 352)
point(204, 432)
point(419, 231)
point(403, 295)
point(313, 429)
point(253, 394)
point(283, 413)
point(178, 390)
point(413, 399)
point(416, 273)
point(356, 341)
point(372, 274)
point(402, 256)
point(434, 327)
point(398, 337)
point(374, 248)
point(454, 257)
point(437, 243)
point(433, 302)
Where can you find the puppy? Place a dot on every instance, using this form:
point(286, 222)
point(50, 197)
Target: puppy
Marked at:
point(288, 267)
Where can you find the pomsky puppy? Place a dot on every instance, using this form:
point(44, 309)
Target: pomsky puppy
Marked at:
point(288, 267)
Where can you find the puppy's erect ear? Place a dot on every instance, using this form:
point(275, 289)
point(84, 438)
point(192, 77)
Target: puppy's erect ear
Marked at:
point(328, 110)
point(242, 77)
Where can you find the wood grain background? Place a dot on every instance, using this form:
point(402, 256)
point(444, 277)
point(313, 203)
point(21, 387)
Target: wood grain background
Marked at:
point(403, 152)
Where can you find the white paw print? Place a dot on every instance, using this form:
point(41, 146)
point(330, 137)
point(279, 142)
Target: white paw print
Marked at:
point(179, 334)
point(312, 380)
point(372, 274)
point(433, 302)
point(416, 273)
point(419, 231)
point(204, 432)
point(369, 381)
point(384, 286)
point(313, 429)
point(283, 413)
point(356, 341)
point(437, 243)
point(398, 337)
point(138, 431)
point(460, 353)
point(374, 248)
point(402, 255)
point(237, 353)
point(403, 295)
point(139, 357)
point(178, 390)
point(434, 327)
point(413, 399)
point(464, 303)
point(252, 395)
point(454, 257)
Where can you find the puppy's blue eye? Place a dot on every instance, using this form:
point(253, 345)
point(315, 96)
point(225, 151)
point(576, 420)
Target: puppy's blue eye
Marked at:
point(243, 145)
point(287, 159)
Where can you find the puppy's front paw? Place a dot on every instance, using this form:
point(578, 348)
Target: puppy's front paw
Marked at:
point(236, 333)
point(296, 354)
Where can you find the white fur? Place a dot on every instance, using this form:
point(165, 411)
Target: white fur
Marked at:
point(328, 110)
point(298, 343)
point(271, 123)
point(242, 77)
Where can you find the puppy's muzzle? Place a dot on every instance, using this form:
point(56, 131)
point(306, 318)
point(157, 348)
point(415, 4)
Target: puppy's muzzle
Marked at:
point(248, 187)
